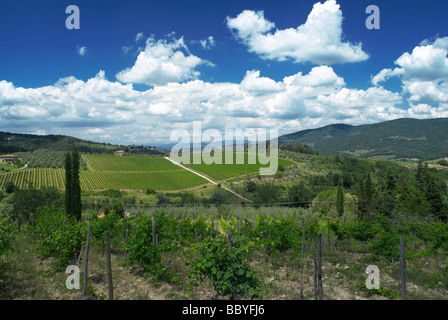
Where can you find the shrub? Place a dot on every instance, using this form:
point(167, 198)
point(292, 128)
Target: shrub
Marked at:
point(142, 251)
point(388, 240)
point(54, 241)
point(150, 191)
point(100, 225)
point(225, 269)
point(361, 230)
point(118, 207)
point(9, 187)
point(6, 237)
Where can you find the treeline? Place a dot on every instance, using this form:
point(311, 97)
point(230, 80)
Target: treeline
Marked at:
point(372, 187)
point(45, 158)
point(298, 147)
point(14, 142)
point(423, 197)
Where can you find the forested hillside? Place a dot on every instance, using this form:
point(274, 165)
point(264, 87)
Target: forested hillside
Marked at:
point(396, 139)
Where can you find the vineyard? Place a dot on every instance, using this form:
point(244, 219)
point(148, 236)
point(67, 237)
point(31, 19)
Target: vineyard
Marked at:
point(40, 178)
point(102, 172)
point(171, 180)
point(245, 255)
point(34, 178)
point(224, 171)
point(109, 172)
point(113, 163)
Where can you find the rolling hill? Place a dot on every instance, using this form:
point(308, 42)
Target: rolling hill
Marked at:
point(19, 142)
point(400, 139)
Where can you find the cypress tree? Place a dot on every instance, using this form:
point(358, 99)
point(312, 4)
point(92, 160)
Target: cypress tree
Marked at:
point(68, 183)
point(434, 198)
point(76, 187)
point(340, 199)
point(390, 180)
point(421, 176)
point(361, 198)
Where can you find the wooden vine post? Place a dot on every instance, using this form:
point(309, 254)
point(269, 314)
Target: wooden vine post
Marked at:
point(268, 251)
point(403, 269)
point(154, 234)
point(86, 263)
point(109, 267)
point(319, 268)
point(301, 259)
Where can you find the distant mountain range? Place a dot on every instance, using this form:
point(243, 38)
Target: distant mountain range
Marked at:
point(400, 139)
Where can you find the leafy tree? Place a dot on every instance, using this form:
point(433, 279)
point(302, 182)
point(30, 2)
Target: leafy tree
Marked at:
point(301, 195)
point(251, 186)
point(118, 207)
point(27, 203)
point(218, 197)
point(9, 187)
point(163, 199)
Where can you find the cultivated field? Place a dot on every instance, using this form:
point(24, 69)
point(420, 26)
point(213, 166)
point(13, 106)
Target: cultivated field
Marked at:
point(110, 172)
point(130, 173)
point(97, 162)
point(224, 171)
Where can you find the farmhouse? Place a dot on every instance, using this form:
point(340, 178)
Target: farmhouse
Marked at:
point(9, 158)
point(119, 153)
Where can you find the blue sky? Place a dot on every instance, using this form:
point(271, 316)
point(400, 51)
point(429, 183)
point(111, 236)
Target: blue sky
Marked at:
point(137, 70)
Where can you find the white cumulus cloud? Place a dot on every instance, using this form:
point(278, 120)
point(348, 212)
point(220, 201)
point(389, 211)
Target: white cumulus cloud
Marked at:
point(424, 72)
point(318, 40)
point(162, 62)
